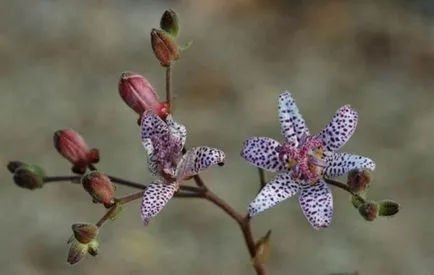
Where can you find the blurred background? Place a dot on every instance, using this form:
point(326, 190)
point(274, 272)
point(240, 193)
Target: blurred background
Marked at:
point(60, 63)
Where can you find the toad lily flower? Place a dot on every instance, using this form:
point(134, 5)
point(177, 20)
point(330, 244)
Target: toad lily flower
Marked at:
point(303, 161)
point(163, 142)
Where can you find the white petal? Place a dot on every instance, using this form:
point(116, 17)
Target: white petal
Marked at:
point(292, 125)
point(340, 128)
point(316, 201)
point(197, 159)
point(341, 163)
point(155, 197)
point(262, 152)
point(278, 189)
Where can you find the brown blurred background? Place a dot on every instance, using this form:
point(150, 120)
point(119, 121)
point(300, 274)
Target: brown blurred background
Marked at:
point(59, 66)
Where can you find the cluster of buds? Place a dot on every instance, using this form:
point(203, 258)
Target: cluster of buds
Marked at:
point(99, 187)
point(358, 182)
point(72, 147)
point(27, 176)
point(82, 242)
point(163, 42)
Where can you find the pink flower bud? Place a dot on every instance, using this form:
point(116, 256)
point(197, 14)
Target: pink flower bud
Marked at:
point(164, 47)
point(100, 187)
point(73, 147)
point(139, 94)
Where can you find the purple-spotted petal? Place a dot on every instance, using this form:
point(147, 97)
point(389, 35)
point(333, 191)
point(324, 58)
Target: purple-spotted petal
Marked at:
point(197, 159)
point(341, 163)
point(340, 128)
point(149, 149)
point(278, 189)
point(152, 125)
point(292, 125)
point(155, 197)
point(177, 130)
point(316, 201)
point(263, 153)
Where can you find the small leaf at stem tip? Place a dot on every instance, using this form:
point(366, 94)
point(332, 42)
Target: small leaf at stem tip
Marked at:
point(116, 212)
point(169, 23)
point(262, 249)
point(388, 208)
point(185, 46)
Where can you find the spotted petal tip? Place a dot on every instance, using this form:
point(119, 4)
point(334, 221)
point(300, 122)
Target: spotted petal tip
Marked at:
point(339, 164)
point(292, 125)
point(155, 197)
point(316, 201)
point(263, 153)
point(340, 129)
point(197, 159)
point(277, 190)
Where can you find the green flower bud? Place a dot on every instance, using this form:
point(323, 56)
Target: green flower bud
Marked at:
point(169, 22)
point(76, 252)
point(369, 210)
point(388, 208)
point(29, 176)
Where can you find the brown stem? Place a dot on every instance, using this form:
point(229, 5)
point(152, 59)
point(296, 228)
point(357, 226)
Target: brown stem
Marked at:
point(123, 182)
point(345, 187)
point(106, 216)
point(169, 87)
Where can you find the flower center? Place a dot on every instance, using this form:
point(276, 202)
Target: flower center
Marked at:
point(306, 160)
point(166, 154)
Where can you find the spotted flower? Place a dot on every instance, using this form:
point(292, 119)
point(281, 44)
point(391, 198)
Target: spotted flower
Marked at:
point(163, 142)
point(303, 160)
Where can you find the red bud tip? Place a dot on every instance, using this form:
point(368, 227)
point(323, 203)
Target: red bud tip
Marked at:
point(138, 93)
point(72, 147)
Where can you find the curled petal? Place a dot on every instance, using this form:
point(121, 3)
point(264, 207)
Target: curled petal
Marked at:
point(263, 153)
point(152, 164)
point(316, 201)
point(292, 125)
point(155, 197)
point(278, 189)
point(341, 163)
point(340, 128)
point(152, 125)
point(197, 159)
point(177, 129)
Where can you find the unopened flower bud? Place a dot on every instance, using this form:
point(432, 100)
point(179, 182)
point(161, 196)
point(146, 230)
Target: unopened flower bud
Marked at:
point(164, 47)
point(76, 252)
point(84, 232)
point(29, 176)
point(99, 186)
point(14, 165)
point(388, 208)
point(139, 94)
point(262, 249)
point(169, 22)
point(369, 210)
point(72, 146)
point(359, 180)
